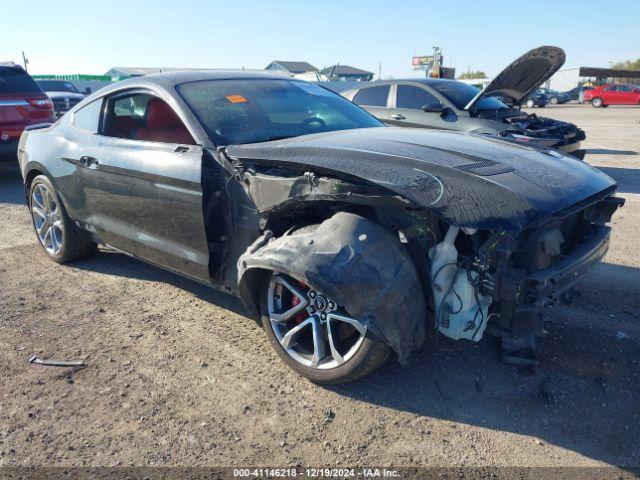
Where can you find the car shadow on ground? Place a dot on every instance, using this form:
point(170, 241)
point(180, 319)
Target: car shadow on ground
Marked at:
point(11, 185)
point(581, 397)
point(628, 178)
point(114, 263)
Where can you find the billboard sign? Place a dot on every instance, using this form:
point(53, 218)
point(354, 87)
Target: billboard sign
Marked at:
point(424, 62)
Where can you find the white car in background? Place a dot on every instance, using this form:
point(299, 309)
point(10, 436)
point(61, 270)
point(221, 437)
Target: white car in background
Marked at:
point(63, 94)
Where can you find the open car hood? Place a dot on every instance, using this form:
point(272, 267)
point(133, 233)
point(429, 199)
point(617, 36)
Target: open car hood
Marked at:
point(523, 76)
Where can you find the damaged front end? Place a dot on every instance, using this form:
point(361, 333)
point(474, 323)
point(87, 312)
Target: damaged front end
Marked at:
point(502, 280)
point(466, 252)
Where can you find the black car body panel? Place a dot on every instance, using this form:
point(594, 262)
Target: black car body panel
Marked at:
point(208, 211)
point(448, 172)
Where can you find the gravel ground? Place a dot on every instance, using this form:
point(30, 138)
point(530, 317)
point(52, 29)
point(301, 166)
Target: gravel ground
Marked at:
point(177, 375)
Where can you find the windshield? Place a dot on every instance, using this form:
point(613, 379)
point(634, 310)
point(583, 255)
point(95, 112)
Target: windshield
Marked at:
point(57, 86)
point(259, 110)
point(460, 94)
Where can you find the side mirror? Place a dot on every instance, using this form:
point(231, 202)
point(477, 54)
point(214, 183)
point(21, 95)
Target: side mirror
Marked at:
point(431, 108)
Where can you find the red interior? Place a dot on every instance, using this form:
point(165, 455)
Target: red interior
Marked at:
point(163, 125)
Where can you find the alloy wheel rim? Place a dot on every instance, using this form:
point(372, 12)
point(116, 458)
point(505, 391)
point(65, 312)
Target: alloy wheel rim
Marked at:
point(311, 328)
point(47, 219)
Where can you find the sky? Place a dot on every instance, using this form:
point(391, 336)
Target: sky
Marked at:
point(90, 37)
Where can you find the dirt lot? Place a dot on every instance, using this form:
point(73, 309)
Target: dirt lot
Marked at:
point(178, 375)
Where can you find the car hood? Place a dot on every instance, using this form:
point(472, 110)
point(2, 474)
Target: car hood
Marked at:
point(468, 180)
point(524, 75)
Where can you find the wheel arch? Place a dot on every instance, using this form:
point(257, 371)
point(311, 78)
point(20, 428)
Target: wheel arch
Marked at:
point(354, 260)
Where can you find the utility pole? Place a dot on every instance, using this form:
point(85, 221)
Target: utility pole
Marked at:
point(379, 70)
point(25, 61)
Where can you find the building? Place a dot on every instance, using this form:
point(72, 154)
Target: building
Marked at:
point(346, 73)
point(292, 68)
point(568, 78)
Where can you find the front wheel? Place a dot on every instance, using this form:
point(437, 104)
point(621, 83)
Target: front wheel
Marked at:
point(553, 101)
point(314, 335)
point(596, 102)
point(61, 240)
point(531, 103)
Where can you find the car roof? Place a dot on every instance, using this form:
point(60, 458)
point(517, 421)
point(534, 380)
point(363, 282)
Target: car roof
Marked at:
point(172, 79)
point(424, 81)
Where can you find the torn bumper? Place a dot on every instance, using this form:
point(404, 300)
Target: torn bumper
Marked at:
point(546, 286)
point(522, 295)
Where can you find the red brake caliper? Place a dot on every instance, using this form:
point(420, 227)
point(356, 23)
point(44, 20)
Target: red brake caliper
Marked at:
point(302, 315)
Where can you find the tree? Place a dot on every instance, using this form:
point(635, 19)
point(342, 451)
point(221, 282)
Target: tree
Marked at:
point(472, 75)
point(627, 65)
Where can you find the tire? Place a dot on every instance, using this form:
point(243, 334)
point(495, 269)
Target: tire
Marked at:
point(553, 101)
point(367, 357)
point(597, 102)
point(531, 103)
point(58, 236)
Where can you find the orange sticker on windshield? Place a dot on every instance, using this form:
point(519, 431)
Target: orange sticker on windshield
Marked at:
point(236, 99)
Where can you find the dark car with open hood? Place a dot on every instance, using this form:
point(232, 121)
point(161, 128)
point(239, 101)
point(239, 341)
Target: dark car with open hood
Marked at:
point(453, 105)
point(346, 240)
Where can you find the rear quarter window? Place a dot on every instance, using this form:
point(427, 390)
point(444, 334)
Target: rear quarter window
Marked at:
point(88, 117)
point(16, 80)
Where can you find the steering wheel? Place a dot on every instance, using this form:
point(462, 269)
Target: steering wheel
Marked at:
point(308, 121)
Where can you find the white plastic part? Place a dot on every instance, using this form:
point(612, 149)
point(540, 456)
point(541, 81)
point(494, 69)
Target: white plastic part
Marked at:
point(458, 313)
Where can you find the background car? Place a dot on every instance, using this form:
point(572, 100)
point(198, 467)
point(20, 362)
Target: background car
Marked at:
point(577, 93)
point(536, 99)
point(554, 96)
point(22, 103)
point(64, 95)
point(453, 105)
point(619, 94)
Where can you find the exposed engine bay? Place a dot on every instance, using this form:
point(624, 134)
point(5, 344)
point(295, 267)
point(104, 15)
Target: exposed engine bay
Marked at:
point(483, 280)
point(558, 132)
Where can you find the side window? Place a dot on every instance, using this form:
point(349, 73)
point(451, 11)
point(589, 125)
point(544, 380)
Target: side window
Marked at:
point(624, 88)
point(126, 115)
point(141, 116)
point(373, 96)
point(415, 98)
point(611, 88)
point(88, 117)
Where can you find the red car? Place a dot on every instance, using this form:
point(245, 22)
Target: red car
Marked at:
point(22, 103)
point(606, 95)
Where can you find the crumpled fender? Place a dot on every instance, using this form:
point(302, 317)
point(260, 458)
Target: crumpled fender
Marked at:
point(357, 263)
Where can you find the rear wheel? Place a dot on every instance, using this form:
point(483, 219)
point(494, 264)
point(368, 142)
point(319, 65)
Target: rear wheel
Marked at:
point(60, 238)
point(596, 102)
point(314, 335)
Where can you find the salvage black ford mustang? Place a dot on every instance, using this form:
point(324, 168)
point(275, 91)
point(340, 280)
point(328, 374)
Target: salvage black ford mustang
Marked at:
point(345, 239)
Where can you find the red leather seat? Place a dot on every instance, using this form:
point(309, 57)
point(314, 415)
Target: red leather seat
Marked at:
point(163, 125)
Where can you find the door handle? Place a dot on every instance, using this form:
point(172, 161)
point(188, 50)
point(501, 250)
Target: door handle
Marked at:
point(88, 161)
point(397, 116)
point(182, 149)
